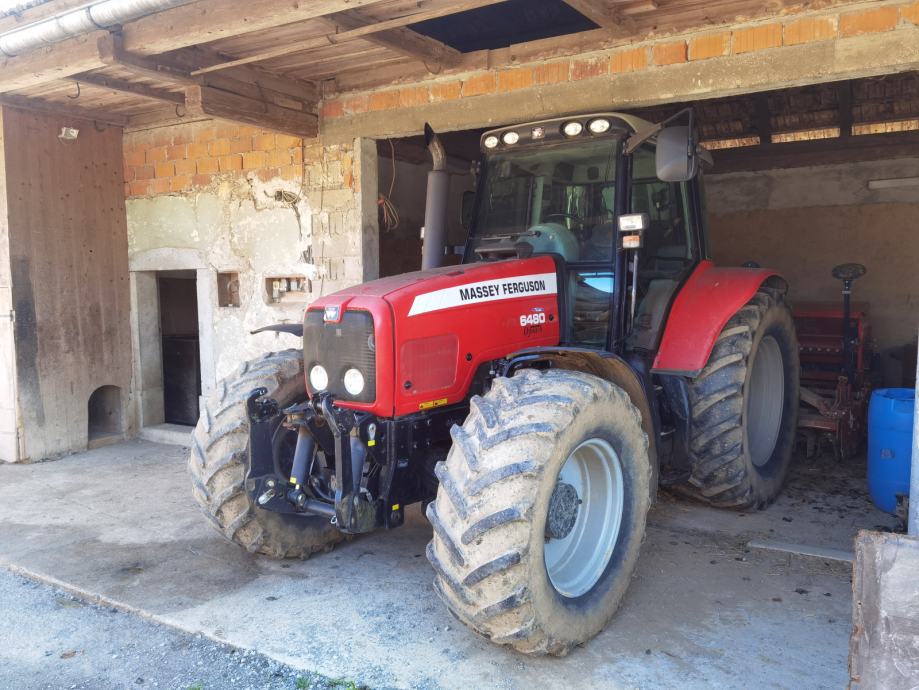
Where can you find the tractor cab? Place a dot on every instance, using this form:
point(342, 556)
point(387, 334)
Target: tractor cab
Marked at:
point(624, 226)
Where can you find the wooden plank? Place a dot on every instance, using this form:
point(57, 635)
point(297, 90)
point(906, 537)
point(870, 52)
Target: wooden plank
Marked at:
point(50, 63)
point(349, 35)
point(434, 54)
point(206, 100)
point(203, 22)
point(61, 109)
point(601, 14)
point(171, 29)
point(300, 89)
point(133, 88)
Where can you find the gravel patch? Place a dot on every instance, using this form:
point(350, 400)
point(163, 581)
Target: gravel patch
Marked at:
point(55, 641)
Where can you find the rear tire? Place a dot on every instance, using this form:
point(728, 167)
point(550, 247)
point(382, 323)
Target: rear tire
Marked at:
point(745, 408)
point(501, 564)
point(219, 460)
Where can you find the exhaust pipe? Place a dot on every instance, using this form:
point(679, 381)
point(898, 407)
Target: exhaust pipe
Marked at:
point(434, 232)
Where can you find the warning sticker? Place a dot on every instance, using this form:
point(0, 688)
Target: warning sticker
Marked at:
point(485, 291)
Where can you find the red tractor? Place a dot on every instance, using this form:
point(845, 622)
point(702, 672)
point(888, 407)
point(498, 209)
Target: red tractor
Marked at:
point(532, 397)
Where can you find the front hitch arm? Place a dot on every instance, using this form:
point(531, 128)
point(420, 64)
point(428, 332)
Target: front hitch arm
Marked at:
point(354, 513)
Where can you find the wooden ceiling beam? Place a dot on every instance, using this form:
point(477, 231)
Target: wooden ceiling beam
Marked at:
point(62, 109)
point(212, 102)
point(337, 37)
point(169, 30)
point(434, 54)
point(132, 88)
point(604, 16)
point(113, 54)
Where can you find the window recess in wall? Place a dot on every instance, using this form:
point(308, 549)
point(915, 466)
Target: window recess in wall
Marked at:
point(287, 290)
point(228, 289)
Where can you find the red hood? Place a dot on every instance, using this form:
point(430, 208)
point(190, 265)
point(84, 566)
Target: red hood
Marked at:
point(434, 329)
point(396, 288)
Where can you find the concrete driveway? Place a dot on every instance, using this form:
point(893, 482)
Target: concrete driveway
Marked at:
point(118, 525)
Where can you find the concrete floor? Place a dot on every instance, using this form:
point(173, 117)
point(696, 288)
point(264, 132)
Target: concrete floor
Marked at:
point(118, 524)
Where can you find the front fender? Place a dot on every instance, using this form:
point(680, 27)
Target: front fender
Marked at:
point(706, 302)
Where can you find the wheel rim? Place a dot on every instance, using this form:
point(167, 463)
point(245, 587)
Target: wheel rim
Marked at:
point(576, 561)
point(765, 401)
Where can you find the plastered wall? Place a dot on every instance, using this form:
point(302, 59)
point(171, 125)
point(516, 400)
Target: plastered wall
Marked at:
point(67, 277)
point(804, 221)
point(314, 219)
point(9, 439)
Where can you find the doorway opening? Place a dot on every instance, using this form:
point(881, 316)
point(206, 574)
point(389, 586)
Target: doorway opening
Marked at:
point(178, 307)
point(105, 415)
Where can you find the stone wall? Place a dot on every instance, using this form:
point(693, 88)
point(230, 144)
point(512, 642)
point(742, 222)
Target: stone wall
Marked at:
point(227, 200)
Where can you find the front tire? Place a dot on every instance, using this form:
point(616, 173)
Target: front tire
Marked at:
point(219, 460)
point(744, 408)
point(541, 459)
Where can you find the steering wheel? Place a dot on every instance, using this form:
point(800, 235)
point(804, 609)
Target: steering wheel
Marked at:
point(849, 271)
point(571, 216)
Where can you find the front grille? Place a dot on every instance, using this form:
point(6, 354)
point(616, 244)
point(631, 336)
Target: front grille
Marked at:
point(339, 347)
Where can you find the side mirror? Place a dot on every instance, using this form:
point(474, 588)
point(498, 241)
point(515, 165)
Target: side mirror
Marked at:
point(675, 158)
point(468, 209)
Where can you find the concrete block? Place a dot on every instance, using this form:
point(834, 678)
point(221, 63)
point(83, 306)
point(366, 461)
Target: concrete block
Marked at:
point(884, 649)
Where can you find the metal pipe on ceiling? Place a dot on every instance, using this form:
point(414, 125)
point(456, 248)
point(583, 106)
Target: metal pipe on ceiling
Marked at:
point(106, 14)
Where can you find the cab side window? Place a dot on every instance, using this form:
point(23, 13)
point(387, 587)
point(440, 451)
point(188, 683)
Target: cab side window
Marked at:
point(667, 252)
point(667, 244)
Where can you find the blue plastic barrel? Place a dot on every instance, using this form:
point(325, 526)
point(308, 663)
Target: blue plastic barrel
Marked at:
point(890, 445)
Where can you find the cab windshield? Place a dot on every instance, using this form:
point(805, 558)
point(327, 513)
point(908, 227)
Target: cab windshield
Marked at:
point(558, 198)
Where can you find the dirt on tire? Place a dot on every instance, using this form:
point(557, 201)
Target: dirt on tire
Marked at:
point(723, 473)
point(489, 517)
point(219, 456)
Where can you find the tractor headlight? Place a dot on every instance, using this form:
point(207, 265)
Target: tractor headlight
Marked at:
point(598, 126)
point(572, 129)
point(491, 141)
point(354, 382)
point(510, 138)
point(319, 378)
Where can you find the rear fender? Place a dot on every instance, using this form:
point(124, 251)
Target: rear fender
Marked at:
point(605, 365)
point(705, 303)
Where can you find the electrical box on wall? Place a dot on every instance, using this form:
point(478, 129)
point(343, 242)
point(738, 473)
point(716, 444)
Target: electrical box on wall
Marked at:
point(287, 289)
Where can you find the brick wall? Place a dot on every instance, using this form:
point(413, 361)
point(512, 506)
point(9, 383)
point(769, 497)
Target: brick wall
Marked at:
point(183, 158)
point(790, 30)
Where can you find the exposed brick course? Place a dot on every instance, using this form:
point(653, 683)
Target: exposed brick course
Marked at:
point(179, 159)
point(709, 46)
point(629, 60)
point(669, 53)
point(757, 38)
point(868, 21)
point(809, 29)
